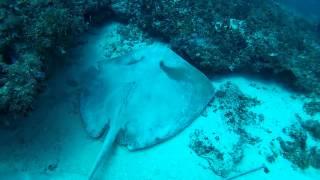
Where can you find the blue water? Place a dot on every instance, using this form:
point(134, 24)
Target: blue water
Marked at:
point(308, 8)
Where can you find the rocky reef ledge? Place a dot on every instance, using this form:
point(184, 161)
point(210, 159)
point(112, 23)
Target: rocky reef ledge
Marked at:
point(250, 36)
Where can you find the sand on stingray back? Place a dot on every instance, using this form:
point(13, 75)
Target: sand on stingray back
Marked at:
point(169, 94)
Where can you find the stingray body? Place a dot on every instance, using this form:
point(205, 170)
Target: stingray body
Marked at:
point(143, 98)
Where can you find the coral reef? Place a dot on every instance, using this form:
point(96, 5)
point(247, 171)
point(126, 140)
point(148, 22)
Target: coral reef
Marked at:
point(233, 36)
point(220, 161)
point(313, 127)
point(297, 150)
point(235, 107)
point(33, 36)
point(129, 36)
point(312, 107)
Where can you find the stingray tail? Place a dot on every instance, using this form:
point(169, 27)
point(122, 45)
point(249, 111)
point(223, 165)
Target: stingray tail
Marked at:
point(106, 147)
point(114, 129)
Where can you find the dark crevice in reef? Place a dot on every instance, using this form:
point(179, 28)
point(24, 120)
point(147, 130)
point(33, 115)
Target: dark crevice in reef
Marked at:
point(285, 76)
point(98, 17)
point(9, 55)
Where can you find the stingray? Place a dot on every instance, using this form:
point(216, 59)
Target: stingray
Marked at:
point(142, 99)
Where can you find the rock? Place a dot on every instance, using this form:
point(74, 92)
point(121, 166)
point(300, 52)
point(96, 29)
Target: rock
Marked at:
point(313, 127)
point(236, 106)
point(297, 150)
point(312, 107)
point(263, 39)
point(220, 161)
point(52, 166)
point(315, 157)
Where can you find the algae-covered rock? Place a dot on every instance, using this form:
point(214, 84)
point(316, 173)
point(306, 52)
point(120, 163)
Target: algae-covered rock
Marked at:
point(223, 155)
point(220, 161)
point(235, 106)
point(312, 107)
point(32, 35)
point(297, 150)
point(315, 157)
point(234, 36)
point(313, 127)
point(22, 85)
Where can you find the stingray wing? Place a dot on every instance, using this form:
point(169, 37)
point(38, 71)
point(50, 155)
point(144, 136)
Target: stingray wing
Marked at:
point(169, 94)
point(101, 99)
